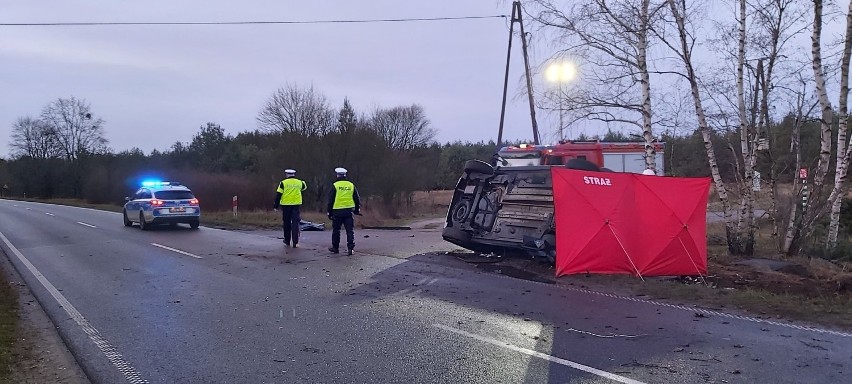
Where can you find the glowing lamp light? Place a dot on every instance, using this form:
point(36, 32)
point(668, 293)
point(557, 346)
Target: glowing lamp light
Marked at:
point(561, 72)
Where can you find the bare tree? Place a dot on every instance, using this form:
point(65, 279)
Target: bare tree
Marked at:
point(31, 137)
point(297, 109)
point(76, 130)
point(613, 39)
point(805, 104)
point(402, 127)
point(777, 22)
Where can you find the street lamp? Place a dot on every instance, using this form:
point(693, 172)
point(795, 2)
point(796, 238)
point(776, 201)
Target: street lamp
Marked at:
point(560, 72)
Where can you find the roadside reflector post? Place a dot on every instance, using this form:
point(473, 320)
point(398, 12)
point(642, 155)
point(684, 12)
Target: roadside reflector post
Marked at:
point(234, 205)
point(803, 174)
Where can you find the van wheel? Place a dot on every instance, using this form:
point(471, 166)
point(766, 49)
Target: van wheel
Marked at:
point(142, 225)
point(460, 211)
point(478, 166)
point(127, 222)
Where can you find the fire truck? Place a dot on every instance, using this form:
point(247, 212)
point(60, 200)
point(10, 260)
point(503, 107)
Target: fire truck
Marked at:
point(609, 156)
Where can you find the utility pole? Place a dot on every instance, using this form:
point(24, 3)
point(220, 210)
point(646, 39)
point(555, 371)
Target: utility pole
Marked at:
point(561, 124)
point(517, 17)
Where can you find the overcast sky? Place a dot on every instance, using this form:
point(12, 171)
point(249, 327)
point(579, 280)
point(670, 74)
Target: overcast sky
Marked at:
point(155, 85)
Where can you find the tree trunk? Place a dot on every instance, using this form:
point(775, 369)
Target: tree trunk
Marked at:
point(793, 224)
point(746, 215)
point(842, 159)
point(642, 62)
point(685, 53)
point(825, 105)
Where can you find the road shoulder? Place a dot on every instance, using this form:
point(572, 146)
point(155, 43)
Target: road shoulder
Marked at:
point(39, 353)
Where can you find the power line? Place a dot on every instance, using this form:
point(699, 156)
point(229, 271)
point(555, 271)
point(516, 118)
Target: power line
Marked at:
point(150, 23)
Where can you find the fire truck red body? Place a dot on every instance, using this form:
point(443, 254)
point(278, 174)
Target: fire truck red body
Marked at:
point(618, 157)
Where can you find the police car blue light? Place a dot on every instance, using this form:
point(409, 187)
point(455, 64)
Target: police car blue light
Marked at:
point(162, 202)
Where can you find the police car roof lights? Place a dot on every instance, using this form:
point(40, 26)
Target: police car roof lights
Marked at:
point(157, 183)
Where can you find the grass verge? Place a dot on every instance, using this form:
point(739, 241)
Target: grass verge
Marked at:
point(8, 328)
point(828, 309)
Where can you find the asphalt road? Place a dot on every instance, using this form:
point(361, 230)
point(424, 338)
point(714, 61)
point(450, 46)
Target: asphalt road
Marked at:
point(175, 305)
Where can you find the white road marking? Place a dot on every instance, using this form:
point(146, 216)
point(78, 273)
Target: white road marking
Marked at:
point(88, 225)
point(111, 353)
point(530, 352)
point(176, 250)
point(29, 209)
point(414, 289)
point(49, 214)
point(14, 205)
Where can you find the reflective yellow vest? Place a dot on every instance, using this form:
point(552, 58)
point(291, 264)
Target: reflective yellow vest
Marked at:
point(291, 191)
point(344, 190)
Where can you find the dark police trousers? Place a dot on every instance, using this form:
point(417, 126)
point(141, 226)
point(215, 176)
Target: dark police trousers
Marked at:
point(291, 218)
point(342, 217)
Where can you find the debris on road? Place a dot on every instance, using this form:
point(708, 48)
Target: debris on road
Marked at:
point(388, 228)
point(306, 226)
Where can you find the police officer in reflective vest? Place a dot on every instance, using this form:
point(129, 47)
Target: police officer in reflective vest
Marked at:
point(289, 197)
point(343, 201)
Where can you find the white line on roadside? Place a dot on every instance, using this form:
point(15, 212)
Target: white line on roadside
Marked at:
point(49, 214)
point(176, 250)
point(88, 225)
point(530, 352)
point(112, 354)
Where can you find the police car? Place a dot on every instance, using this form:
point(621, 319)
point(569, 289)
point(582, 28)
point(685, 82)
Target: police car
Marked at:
point(161, 202)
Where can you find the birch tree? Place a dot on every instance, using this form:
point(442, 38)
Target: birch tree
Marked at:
point(746, 221)
point(612, 37)
point(822, 94)
point(843, 149)
point(682, 46)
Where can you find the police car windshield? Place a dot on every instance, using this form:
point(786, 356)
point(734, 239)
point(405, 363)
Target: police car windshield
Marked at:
point(173, 195)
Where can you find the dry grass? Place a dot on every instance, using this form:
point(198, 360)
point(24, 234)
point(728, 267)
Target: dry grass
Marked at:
point(424, 204)
point(811, 289)
point(258, 219)
point(828, 309)
point(8, 328)
point(763, 198)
